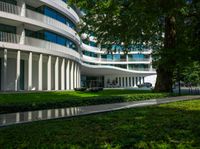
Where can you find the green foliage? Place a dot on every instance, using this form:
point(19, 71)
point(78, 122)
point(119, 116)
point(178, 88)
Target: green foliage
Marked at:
point(116, 22)
point(168, 126)
point(35, 101)
point(191, 73)
point(169, 27)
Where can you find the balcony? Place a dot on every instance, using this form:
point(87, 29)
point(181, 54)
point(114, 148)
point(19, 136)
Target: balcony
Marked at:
point(71, 13)
point(139, 59)
point(42, 44)
point(13, 9)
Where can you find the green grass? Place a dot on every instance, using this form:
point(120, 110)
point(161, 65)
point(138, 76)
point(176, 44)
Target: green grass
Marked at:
point(168, 126)
point(35, 101)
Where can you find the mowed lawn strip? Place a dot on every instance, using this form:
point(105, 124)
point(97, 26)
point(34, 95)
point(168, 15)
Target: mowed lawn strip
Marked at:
point(174, 125)
point(35, 101)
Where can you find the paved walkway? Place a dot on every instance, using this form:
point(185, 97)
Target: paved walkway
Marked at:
point(30, 116)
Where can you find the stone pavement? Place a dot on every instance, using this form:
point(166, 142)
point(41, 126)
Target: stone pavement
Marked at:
point(31, 116)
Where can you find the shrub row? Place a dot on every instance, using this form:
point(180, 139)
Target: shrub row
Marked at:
point(84, 101)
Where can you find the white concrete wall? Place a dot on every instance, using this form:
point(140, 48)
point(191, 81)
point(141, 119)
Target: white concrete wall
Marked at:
point(151, 79)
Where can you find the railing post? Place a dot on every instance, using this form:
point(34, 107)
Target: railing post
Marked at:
point(72, 76)
point(63, 74)
point(30, 71)
point(22, 4)
point(5, 59)
point(67, 75)
point(17, 79)
point(49, 73)
point(40, 74)
point(57, 74)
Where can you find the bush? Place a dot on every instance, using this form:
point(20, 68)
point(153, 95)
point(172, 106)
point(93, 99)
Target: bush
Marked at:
point(80, 89)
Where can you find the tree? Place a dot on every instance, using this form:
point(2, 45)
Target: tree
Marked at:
point(158, 24)
point(191, 73)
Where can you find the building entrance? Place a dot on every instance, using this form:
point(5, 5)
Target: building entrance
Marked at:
point(90, 82)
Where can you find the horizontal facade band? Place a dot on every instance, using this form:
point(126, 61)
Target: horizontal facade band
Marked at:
point(64, 8)
point(12, 12)
point(12, 41)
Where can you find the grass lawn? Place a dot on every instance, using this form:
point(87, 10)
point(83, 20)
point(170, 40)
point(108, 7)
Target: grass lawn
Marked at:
point(34, 101)
point(174, 125)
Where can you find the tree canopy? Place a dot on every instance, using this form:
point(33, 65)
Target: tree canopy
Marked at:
point(169, 27)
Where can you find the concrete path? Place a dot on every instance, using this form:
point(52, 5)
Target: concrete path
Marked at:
point(31, 116)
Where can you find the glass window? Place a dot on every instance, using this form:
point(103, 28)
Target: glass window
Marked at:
point(50, 37)
point(138, 56)
point(7, 28)
point(109, 57)
point(49, 12)
point(60, 18)
point(61, 40)
point(14, 2)
point(93, 44)
point(70, 23)
point(116, 56)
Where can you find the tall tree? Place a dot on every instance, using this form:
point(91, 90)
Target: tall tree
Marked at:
point(158, 24)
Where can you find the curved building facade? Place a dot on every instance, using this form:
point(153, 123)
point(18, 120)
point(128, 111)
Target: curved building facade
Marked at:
point(40, 49)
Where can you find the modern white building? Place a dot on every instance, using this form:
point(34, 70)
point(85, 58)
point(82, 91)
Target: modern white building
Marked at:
point(40, 49)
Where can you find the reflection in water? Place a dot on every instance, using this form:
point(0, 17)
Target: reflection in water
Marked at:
point(23, 117)
point(30, 116)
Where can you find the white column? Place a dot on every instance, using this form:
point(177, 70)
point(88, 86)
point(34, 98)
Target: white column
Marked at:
point(17, 79)
point(17, 117)
point(79, 75)
point(30, 116)
point(63, 75)
point(72, 76)
point(75, 75)
point(57, 74)
point(117, 81)
point(132, 82)
point(151, 65)
point(30, 71)
point(40, 62)
point(67, 75)
point(125, 83)
point(99, 58)
point(21, 32)
point(49, 73)
point(121, 81)
point(5, 65)
point(22, 4)
point(127, 61)
point(21, 29)
point(135, 83)
point(138, 80)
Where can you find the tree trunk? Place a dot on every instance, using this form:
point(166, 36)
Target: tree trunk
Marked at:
point(167, 62)
point(164, 80)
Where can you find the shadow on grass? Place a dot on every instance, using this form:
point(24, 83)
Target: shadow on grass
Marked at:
point(167, 126)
